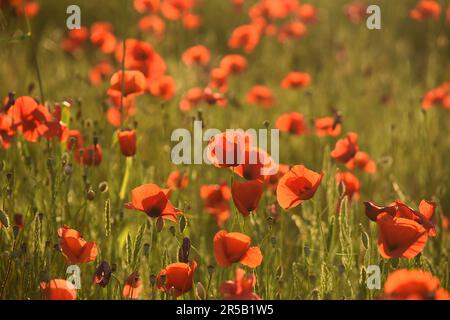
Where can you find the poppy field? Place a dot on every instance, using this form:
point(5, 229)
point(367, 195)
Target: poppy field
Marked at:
point(349, 200)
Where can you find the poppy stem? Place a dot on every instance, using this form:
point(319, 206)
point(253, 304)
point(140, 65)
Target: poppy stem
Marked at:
point(8, 271)
point(126, 178)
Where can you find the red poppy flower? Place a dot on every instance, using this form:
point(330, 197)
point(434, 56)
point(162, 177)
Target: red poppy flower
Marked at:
point(132, 82)
point(426, 9)
point(233, 64)
point(74, 248)
point(291, 30)
point(296, 80)
point(176, 9)
point(257, 165)
point(102, 37)
point(178, 180)
point(245, 36)
point(196, 55)
point(327, 126)
point(293, 122)
point(178, 278)
point(153, 24)
point(219, 79)
point(351, 184)
point(307, 13)
point(154, 201)
point(355, 11)
point(362, 161)
point(242, 288)
point(58, 289)
point(437, 96)
point(406, 284)
point(163, 87)
point(191, 21)
point(144, 6)
point(261, 95)
point(191, 99)
point(296, 186)
point(127, 142)
point(246, 196)
point(89, 156)
point(346, 148)
point(272, 180)
point(75, 39)
point(6, 131)
point(133, 286)
point(216, 200)
point(100, 72)
point(227, 149)
point(235, 247)
point(403, 232)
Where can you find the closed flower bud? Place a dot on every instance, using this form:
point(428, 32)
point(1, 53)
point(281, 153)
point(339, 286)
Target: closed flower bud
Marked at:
point(4, 219)
point(146, 249)
point(201, 292)
point(127, 142)
point(103, 187)
point(183, 253)
point(159, 224)
point(211, 269)
point(90, 194)
point(172, 230)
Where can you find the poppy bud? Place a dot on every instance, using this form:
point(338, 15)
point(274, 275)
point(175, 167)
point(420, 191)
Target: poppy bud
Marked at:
point(152, 280)
point(172, 230)
point(18, 220)
point(266, 124)
point(103, 186)
point(159, 224)
point(211, 269)
point(306, 250)
point(90, 194)
point(113, 267)
point(182, 224)
point(146, 249)
point(201, 292)
point(273, 240)
point(40, 216)
point(9, 177)
point(341, 269)
point(65, 158)
point(183, 253)
point(4, 219)
point(127, 142)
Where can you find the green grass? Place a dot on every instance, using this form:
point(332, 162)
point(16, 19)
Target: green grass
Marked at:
point(310, 253)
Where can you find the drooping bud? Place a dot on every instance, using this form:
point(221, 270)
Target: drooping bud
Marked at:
point(183, 253)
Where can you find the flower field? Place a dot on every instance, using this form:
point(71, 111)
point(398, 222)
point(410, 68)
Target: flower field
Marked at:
point(100, 198)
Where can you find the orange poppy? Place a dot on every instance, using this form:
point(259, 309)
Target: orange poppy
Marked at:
point(233, 64)
point(144, 6)
point(74, 140)
point(216, 200)
point(307, 13)
point(58, 289)
point(246, 196)
point(178, 278)
point(406, 284)
point(293, 122)
point(163, 87)
point(261, 95)
point(297, 185)
point(227, 149)
point(219, 79)
point(257, 165)
point(272, 180)
point(355, 11)
point(403, 232)
point(89, 156)
point(74, 248)
point(102, 37)
point(191, 21)
point(426, 9)
point(127, 142)
point(153, 24)
point(437, 96)
point(245, 36)
point(133, 286)
point(351, 184)
point(191, 99)
point(242, 288)
point(214, 98)
point(327, 126)
point(154, 201)
point(75, 39)
point(7, 131)
point(346, 148)
point(196, 55)
point(178, 180)
point(235, 247)
point(291, 30)
point(296, 80)
point(176, 9)
point(100, 72)
point(362, 161)
point(133, 83)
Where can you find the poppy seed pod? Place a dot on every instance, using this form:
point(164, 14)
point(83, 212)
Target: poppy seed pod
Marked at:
point(127, 142)
point(102, 274)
